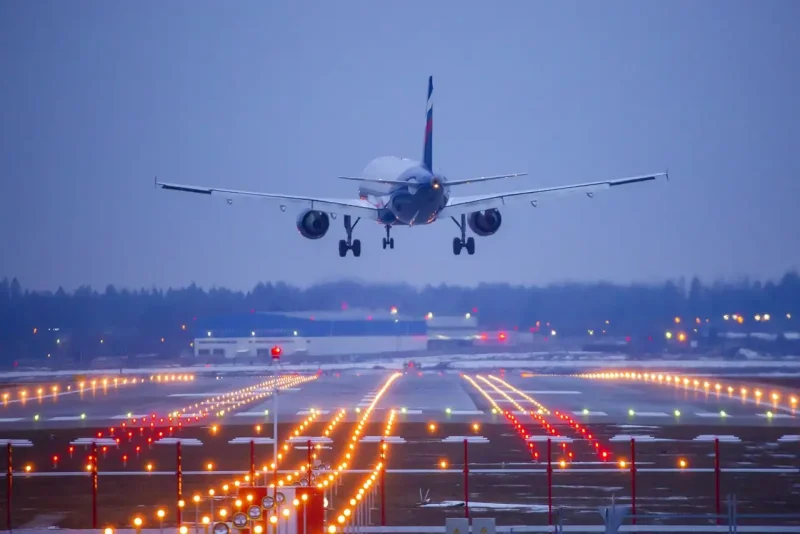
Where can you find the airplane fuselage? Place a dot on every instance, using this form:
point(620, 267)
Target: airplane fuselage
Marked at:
point(417, 200)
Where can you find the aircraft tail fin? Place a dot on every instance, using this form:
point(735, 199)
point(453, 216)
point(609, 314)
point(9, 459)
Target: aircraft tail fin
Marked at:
point(427, 151)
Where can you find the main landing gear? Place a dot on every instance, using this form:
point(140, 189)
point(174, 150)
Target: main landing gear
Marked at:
point(464, 242)
point(350, 243)
point(388, 241)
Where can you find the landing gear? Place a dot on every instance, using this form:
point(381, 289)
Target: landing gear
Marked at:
point(350, 243)
point(463, 242)
point(388, 241)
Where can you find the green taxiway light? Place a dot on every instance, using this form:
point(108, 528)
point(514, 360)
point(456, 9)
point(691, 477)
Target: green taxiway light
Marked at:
point(358, 410)
point(631, 412)
point(266, 412)
point(585, 411)
point(36, 417)
point(447, 410)
point(494, 410)
point(677, 413)
point(83, 416)
point(722, 413)
point(769, 415)
point(403, 409)
point(130, 414)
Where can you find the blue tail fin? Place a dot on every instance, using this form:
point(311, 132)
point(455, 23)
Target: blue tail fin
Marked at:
point(427, 152)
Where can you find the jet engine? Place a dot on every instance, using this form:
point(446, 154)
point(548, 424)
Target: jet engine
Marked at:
point(313, 224)
point(485, 223)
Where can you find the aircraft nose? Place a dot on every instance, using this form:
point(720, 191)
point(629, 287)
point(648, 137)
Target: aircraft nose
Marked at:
point(436, 183)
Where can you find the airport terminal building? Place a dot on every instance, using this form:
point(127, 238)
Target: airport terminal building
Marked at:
point(260, 335)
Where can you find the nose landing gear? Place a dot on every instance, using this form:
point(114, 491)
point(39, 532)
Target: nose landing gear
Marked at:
point(463, 242)
point(350, 243)
point(388, 241)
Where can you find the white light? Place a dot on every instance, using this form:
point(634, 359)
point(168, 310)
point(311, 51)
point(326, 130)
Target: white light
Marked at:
point(209, 333)
point(467, 315)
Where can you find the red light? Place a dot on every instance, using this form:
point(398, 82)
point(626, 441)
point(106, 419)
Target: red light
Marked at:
point(474, 310)
point(484, 337)
point(124, 457)
point(501, 336)
point(276, 351)
point(55, 459)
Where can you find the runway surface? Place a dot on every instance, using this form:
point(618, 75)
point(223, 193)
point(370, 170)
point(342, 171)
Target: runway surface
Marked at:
point(418, 396)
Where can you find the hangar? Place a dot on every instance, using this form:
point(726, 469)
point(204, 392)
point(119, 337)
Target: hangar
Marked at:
point(259, 335)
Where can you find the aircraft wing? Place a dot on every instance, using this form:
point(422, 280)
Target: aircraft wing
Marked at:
point(344, 206)
point(468, 204)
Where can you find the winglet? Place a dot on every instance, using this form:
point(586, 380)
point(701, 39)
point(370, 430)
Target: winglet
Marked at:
point(666, 173)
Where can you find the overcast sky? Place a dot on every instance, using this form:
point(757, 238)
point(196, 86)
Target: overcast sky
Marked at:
point(96, 98)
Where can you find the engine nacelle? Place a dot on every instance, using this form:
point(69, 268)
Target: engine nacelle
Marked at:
point(485, 223)
point(313, 224)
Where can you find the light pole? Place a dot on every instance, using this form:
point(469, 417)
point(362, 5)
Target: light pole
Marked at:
point(94, 442)
point(633, 440)
point(10, 443)
point(309, 445)
point(717, 470)
point(549, 440)
point(179, 442)
point(252, 441)
point(466, 440)
point(383, 440)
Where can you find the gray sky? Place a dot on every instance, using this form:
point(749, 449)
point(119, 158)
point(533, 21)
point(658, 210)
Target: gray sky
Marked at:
point(98, 97)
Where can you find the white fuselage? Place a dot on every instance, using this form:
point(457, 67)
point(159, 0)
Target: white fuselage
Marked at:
point(418, 200)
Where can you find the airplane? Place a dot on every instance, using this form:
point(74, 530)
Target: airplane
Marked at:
point(403, 192)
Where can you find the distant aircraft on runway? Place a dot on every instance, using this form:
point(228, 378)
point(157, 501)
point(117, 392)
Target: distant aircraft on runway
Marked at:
point(399, 191)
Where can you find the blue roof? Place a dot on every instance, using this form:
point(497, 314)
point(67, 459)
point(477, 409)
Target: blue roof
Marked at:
point(307, 325)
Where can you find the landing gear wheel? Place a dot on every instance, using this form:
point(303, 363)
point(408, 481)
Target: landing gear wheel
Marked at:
point(388, 241)
point(470, 246)
point(456, 246)
point(350, 243)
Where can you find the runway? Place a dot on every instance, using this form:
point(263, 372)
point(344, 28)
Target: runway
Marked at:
point(419, 396)
point(428, 414)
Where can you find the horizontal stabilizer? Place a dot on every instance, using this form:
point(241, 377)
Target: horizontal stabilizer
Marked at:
point(485, 178)
point(374, 180)
point(447, 182)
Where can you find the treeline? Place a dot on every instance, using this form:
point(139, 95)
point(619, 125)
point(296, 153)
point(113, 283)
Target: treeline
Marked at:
point(121, 321)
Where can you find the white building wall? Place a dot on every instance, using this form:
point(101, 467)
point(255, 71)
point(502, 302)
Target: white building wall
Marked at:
point(247, 347)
